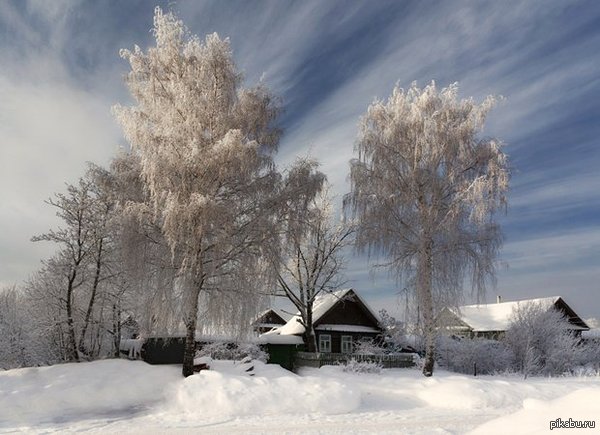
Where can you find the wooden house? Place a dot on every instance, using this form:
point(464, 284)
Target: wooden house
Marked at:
point(340, 320)
point(492, 320)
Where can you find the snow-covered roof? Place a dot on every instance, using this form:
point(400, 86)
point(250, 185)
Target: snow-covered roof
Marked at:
point(323, 303)
point(272, 337)
point(592, 333)
point(284, 315)
point(347, 328)
point(496, 317)
point(268, 325)
point(198, 337)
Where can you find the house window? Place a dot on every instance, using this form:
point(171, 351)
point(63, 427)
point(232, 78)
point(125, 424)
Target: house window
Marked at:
point(324, 343)
point(346, 344)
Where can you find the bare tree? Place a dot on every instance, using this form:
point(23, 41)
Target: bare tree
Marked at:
point(44, 294)
point(81, 263)
point(425, 190)
point(76, 240)
point(206, 149)
point(101, 253)
point(310, 261)
point(15, 330)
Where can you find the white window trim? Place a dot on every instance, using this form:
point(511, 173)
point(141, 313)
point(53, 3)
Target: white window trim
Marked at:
point(321, 337)
point(346, 337)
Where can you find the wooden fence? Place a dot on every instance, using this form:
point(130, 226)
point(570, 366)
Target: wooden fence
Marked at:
point(306, 359)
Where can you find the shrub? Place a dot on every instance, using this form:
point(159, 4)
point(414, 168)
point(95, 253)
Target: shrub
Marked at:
point(354, 366)
point(463, 354)
point(588, 357)
point(541, 341)
point(233, 351)
point(369, 347)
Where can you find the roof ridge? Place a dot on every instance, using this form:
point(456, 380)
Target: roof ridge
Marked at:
point(512, 302)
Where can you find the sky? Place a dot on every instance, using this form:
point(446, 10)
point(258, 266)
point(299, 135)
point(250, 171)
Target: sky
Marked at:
point(60, 73)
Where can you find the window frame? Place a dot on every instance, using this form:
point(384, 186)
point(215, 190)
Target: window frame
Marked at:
point(348, 343)
point(321, 340)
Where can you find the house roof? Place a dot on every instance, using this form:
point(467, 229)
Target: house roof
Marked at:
point(278, 312)
point(272, 337)
point(323, 304)
point(346, 328)
point(496, 317)
point(593, 333)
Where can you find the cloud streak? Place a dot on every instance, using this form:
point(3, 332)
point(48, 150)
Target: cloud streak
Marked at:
point(329, 61)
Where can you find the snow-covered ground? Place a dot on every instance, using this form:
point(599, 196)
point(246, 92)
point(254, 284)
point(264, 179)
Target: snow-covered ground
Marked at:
point(120, 396)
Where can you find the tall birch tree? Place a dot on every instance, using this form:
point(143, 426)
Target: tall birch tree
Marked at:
point(425, 190)
point(206, 147)
point(147, 272)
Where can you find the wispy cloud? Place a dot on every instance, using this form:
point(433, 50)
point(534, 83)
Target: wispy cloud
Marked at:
point(50, 125)
point(329, 61)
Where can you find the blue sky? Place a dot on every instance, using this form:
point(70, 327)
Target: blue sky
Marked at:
point(328, 60)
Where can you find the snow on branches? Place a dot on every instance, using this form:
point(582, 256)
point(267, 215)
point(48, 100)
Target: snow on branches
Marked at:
point(205, 146)
point(425, 189)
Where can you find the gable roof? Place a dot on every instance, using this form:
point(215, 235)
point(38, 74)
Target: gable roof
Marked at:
point(323, 304)
point(262, 318)
point(497, 316)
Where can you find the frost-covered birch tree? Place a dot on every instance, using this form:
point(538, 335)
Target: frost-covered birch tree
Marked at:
point(309, 262)
point(147, 272)
point(206, 146)
point(425, 190)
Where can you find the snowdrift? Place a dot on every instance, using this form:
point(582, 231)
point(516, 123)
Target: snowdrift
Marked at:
point(67, 392)
point(224, 391)
point(117, 396)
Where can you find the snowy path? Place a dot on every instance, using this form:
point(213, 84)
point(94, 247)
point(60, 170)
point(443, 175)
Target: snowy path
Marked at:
point(118, 396)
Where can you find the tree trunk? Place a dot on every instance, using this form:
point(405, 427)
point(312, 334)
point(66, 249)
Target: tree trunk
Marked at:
point(309, 333)
point(72, 354)
point(191, 320)
point(424, 272)
point(90, 307)
point(116, 330)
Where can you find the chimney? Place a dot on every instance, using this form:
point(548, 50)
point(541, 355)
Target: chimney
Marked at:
point(498, 299)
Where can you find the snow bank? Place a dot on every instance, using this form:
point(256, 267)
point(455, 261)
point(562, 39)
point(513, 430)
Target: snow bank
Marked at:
point(34, 396)
point(536, 415)
point(117, 396)
point(446, 390)
point(224, 391)
point(464, 392)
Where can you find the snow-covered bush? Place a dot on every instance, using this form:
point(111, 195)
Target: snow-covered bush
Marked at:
point(354, 366)
point(541, 341)
point(369, 347)
point(402, 336)
point(464, 355)
point(233, 351)
point(589, 356)
point(585, 371)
